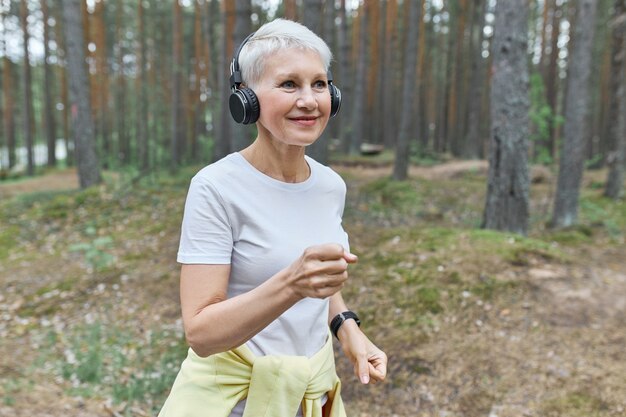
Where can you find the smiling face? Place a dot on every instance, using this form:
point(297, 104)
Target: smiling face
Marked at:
point(294, 97)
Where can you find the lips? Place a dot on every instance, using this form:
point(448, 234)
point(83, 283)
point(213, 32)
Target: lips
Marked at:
point(304, 120)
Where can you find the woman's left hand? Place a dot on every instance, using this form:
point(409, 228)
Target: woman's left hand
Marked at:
point(370, 363)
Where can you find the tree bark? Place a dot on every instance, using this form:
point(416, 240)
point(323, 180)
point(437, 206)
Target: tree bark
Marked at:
point(312, 18)
point(142, 108)
point(240, 134)
point(88, 165)
point(123, 139)
point(177, 62)
point(507, 201)
point(401, 164)
point(576, 117)
point(359, 97)
point(343, 49)
point(48, 111)
point(617, 117)
point(26, 90)
point(63, 89)
point(472, 142)
point(223, 124)
point(9, 100)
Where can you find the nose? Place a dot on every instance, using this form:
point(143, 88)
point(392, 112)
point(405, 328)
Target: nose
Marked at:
point(307, 99)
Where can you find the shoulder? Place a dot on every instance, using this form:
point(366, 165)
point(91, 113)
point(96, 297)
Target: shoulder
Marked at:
point(217, 172)
point(326, 174)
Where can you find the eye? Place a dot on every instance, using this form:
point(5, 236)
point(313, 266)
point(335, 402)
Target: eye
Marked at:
point(289, 85)
point(319, 85)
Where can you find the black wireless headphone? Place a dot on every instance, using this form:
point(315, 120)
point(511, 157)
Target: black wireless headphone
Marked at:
point(243, 102)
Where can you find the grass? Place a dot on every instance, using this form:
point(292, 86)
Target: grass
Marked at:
point(575, 404)
point(102, 360)
point(421, 258)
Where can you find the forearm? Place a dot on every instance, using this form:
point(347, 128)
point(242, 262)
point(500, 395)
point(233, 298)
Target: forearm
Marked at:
point(227, 324)
point(337, 305)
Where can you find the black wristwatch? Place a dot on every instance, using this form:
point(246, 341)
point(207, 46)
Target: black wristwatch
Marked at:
point(338, 320)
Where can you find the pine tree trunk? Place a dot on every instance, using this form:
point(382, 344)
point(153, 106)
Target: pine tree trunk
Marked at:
point(552, 78)
point(617, 117)
point(177, 63)
point(120, 99)
point(88, 166)
point(343, 50)
point(401, 164)
point(62, 76)
point(312, 18)
point(48, 111)
point(28, 96)
point(8, 114)
point(507, 201)
point(142, 107)
point(222, 145)
point(359, 96)
point(576, 117)
point(240, 134)
point(472, 141)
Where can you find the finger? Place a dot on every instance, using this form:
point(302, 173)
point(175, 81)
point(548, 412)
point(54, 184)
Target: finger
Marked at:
point(330, 251)
point(350, 258)
point(331, 267)
point(376, 374)
point(362, 369)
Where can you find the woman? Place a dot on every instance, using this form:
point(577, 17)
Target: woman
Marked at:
point(263, 252)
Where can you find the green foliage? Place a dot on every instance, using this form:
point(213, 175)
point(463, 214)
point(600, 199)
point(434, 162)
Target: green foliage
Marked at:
point(95, 250)
point(575, 404)
point(604, 212)
point(386, 194)
point(130, 368)
point(542, 116)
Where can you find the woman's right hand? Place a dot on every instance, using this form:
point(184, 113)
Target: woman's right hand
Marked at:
point(320, 271)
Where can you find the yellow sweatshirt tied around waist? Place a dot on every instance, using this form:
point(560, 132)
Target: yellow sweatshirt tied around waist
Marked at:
point(274, 386)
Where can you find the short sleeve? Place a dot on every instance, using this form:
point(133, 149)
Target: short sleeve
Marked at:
point(206, 233)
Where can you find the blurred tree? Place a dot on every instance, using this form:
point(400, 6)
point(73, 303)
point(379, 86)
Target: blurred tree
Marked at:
point(472, 141)
point(506, 206)
point(88, 165)
point(123, 137)
point(223, 124)
point(312, 18)
point(100, 79)
point(141, 109)
point(27, 112)
point(63, 89)
point(240, 134)
point(576, 126)
point(291, 9)
point(8, 97)
point(617, 116)
point(178, 122)
point(344, 81)
point(359, 96)
point(48, 110)
point(389, 104)
point(401, 164)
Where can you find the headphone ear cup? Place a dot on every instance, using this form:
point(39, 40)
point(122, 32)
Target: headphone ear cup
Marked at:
point(244, 106)
point(335, 100)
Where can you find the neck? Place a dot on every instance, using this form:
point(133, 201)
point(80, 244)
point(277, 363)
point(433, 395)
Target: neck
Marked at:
point(278, 160)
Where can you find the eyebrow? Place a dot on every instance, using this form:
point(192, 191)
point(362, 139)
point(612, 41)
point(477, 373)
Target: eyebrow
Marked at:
point(296, 75)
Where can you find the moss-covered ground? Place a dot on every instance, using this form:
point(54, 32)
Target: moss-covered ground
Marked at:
point(475, 322)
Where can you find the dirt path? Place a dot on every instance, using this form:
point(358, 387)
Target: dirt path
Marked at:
point(58, 180)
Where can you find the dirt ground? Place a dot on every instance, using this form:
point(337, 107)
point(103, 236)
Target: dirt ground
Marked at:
point(554, 346)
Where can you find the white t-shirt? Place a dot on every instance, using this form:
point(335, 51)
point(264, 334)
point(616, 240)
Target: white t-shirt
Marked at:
point(235, 214)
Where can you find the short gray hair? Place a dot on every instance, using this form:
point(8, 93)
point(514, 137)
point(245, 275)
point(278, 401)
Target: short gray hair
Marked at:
point(275, 35)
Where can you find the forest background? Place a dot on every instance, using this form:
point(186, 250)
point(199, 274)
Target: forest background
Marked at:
point(483, 147)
